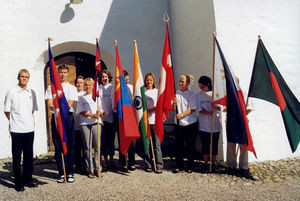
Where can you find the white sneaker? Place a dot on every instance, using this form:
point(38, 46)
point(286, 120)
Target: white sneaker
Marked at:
point(70, 178)
point(61, 179)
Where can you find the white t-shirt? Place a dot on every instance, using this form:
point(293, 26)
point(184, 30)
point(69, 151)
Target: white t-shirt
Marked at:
point(151, 99)
point(186, 100)
point(87, 104)
point(69, 90)
point(204, 120)
point(76, 115)
point(106, 93)
point(21, 104)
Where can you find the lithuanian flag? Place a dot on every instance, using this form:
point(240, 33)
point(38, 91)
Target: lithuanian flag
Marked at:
point(268, 84)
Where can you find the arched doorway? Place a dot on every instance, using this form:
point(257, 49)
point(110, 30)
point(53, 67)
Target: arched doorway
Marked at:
point(80, 63)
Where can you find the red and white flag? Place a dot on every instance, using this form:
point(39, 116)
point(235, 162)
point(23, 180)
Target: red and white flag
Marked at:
point(97, 73)
point(166, 92)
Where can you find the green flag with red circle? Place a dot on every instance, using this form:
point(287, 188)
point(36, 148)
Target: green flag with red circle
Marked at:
point(268, 84)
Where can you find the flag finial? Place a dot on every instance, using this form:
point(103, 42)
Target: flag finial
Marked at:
point(134, 41)
point(166, 17)
point(214, 34)
point(97, 40)
point(259, 37)
point(116, 43)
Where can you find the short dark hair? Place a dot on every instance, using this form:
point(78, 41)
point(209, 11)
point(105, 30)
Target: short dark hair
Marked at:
point(205, 81)
point(125, 73)
point(78, 77)
point(108, 73)
point(63, 66)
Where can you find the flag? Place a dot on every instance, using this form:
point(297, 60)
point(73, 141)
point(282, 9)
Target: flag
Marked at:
point(97, 74)
point(128, 128)
point(61, 107)
point(227, 92)
point(166, 92)
point(139, 100)
point(268, 84)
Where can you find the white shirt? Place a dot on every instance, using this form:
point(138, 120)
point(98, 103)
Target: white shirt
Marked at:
point(130, 90)
point(87, 104)
point(151, 99)
point(69, 90)
point(106, 93)
point(21, 103)
point(186, 100)
point(204, 103)
point(76, 115)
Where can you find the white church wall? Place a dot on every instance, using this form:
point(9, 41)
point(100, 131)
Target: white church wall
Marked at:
point(24, 28)
point(238, 22)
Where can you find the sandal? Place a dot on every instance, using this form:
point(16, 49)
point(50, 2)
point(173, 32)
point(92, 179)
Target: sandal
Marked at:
point(158, 171)
point(132, 168)
point(148, 170)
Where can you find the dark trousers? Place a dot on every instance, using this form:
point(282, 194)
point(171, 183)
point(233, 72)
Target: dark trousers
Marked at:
point(130, 154)
point(70, 133)
point(108, 140)
point(79, 151)
point(22, 142)
point(185, 134)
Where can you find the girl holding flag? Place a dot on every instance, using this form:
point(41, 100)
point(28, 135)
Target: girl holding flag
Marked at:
point(151, 99)
point(87, 108)
point(207, 110)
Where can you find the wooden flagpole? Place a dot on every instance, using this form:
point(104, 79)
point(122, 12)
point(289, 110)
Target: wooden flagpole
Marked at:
point(153, 156)
point(259, 37)
point(62, 155)
point(99, 148)
point(98, 134)
point(212, 99)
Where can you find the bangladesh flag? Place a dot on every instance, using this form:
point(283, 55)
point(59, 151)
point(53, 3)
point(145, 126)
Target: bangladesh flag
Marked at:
point(268, 84)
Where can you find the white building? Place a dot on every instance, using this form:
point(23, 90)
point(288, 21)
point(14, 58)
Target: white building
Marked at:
point(25, 26)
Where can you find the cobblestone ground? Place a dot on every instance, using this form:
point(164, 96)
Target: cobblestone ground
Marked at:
point(274, 180)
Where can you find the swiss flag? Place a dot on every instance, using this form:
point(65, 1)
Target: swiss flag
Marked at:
point(166, 92)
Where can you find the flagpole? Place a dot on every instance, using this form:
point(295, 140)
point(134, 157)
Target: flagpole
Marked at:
point(98, 129)
point(153, 156)
point(259, 37)
point(212, 99)
point(62, 155)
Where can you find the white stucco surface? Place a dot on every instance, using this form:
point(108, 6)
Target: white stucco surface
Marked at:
point(238, 22)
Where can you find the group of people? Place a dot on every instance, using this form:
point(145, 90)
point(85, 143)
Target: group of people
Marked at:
point(88, 118)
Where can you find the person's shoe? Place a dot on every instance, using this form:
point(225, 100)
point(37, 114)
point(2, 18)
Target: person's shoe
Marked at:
point(70, 178)
point(31, 184)
point(230, 171)
point(158, 171)
point(246, 174)
point(132, 168)
point(177, 170)
point(124, 168)
point(91, 175)
point(148, 169)
point(19, 188)
point(189, 171)
point(61, 179)
point(98, 173)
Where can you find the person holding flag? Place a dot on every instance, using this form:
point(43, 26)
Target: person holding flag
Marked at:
point(207, 112)
point(151, 99)
point(71, 95)
point(186, 121)
point(87, 108)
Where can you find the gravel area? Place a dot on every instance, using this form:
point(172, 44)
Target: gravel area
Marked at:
point(275, 180)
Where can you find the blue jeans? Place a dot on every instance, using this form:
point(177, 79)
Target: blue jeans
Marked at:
point(70, 133)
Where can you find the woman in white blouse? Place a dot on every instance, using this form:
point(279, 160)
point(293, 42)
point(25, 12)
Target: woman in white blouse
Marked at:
point(87, 108)
point(207, 110)
point(186, 119)
point(151, 99)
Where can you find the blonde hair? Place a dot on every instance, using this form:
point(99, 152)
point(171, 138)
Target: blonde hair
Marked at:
point(189, 79)
point(153, 77)
point(88, 80)
point(23, 70)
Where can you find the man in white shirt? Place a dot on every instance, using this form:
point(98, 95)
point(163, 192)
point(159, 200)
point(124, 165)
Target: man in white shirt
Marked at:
point(19, 106)
point(71, 95)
